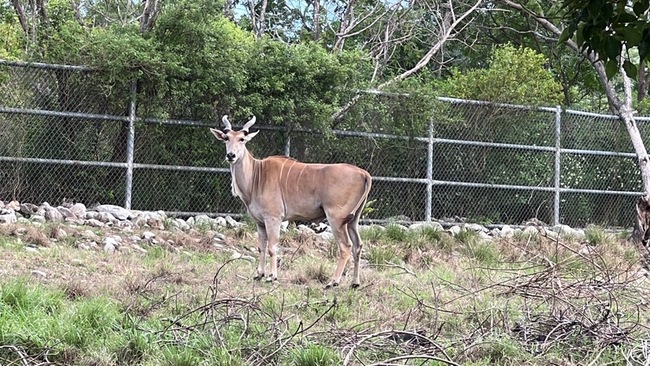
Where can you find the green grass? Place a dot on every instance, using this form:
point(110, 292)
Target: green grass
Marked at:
point(467, 295)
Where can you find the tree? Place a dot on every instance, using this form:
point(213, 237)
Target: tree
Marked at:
point(612, 41)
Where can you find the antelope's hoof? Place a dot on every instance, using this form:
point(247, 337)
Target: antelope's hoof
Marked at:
point(354, 286)
point(258, 277)
point(270, 279)
point(331, 285)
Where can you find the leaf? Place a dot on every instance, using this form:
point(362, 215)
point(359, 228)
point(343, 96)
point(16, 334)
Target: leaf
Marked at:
point(566, 34)
point(611, 67)
point(612, 47)
point(630, 69)
point(640, 7)
point(631, 35)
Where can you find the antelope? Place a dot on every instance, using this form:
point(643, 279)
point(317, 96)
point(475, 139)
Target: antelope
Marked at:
point(280, 188)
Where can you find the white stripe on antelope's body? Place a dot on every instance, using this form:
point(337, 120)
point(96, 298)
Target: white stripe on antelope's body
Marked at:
point(279, 188)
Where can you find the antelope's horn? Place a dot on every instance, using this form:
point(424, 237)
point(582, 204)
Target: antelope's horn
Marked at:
point(226, 123)
point(249, 124)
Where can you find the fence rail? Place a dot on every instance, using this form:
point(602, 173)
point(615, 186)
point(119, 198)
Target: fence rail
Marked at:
point(497, 163)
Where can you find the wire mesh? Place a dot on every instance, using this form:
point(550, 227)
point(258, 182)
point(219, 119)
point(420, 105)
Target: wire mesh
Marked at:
point(489, 163)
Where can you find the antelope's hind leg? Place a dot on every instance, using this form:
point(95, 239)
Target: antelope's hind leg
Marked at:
point(262, 241)
point(345, 250)
point(353, 230)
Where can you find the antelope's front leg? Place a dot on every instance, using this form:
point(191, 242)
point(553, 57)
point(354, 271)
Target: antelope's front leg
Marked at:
point(273, 233)
point(262, 240)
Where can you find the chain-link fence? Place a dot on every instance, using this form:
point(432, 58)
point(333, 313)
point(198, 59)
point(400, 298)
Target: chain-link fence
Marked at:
point(64, 135)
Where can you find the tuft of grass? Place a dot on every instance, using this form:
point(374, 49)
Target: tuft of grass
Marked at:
point(466, 236)
point(596, 235)
point(396, 233)
point(314, 355)
point(484, 252)
point(378, 255)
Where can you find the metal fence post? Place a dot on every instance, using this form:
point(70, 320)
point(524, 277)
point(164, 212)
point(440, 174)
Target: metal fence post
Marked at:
point(287, 145)
point(130, 143)
point(427, 214)
point(556, 184)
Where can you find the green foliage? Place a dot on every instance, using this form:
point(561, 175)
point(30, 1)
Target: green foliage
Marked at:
point(606, 27)
point(314, 355)
point(514, 75)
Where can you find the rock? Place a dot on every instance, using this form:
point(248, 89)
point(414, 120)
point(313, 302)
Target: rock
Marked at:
point(94, 223)
point(118, 212)
point(38, 273)
point(181, 224)
point(562, 229)
point(139, 248)
point(475, 227)
point(506, 232)
point(66, 212)
point(79, 210)
point(326, 235)
point(107, 218)
point(109, 248)
point(220, 221)
point(484, 236)
point(284, 226)
point(28, 209)
point(148, 235)
point(23, 221)
point(60, 234)
point(422, 225)
point(13, 205)
point(304, 229)
point(38, 218)
point(232, 222)
point(203, 221)
point(83, 246)
point(51, 213)
point(89, 235)
point(8, 216)
point(530, 230)
point(454, 230)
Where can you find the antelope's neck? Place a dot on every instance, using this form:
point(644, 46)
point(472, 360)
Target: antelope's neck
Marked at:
point(242, 173)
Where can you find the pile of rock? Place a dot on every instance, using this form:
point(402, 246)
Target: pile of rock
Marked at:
point(119, 217)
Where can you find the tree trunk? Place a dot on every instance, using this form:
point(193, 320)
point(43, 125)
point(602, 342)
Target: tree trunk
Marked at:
point(316, 33)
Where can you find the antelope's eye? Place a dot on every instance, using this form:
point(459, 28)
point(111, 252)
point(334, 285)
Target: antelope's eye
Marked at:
point(242, 139)
point(226, 138)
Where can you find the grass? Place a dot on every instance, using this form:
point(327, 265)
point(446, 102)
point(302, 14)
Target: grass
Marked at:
point(423, 294)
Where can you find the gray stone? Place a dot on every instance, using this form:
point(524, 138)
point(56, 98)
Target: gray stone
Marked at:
point(181, 224)
point(421, 225)
point(530, 230)
point(220, 221)
point(139, 248)
point(94, 223)
point(79, 210)
point(454, 230)
point(305, 230)
point(475, 227)
point(118, 212)
point(38, 218)
point(13, 205)
point(8, 216)
point(232, 222)
point(37, 273)
point(202, 221)
point(51, 213)
point(506, 232)
point(66, 212)
point(326, 235)
point(109, 248)
point(148, 235)
point(28, 209)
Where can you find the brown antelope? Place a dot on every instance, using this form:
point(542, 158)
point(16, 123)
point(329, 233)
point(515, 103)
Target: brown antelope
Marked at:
point(279, 188)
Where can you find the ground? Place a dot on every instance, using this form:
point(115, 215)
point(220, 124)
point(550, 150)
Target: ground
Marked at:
point(426, 297)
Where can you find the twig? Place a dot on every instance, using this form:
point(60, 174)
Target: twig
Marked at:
point(20, 354)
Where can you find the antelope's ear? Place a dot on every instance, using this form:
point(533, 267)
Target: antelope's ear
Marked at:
point(219, 134)
point(249, 136)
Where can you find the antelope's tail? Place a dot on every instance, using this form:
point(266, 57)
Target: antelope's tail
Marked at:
point(362, 201)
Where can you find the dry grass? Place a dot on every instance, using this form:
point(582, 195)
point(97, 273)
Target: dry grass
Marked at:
point(510, 301)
